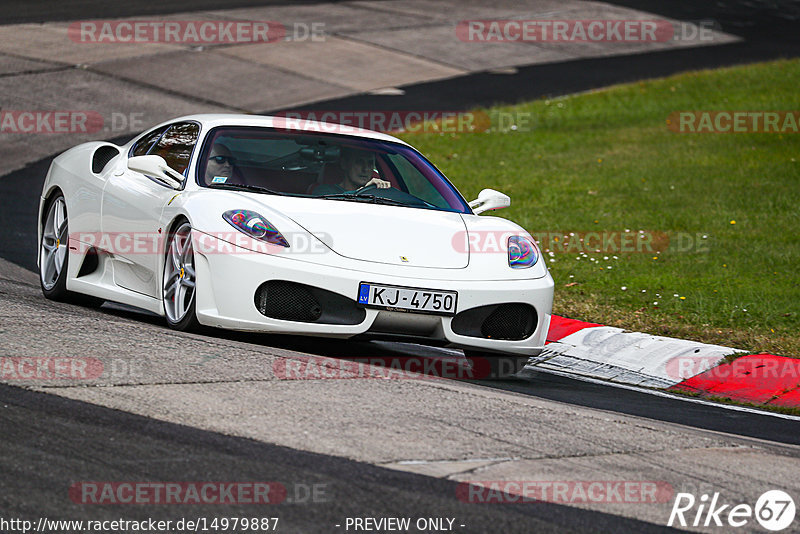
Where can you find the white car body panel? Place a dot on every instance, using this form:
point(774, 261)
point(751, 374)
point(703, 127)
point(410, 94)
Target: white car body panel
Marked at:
point(341, 244)
point(369, 232)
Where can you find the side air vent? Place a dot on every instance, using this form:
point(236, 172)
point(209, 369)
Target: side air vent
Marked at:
point(102, 156)
point(90, 263)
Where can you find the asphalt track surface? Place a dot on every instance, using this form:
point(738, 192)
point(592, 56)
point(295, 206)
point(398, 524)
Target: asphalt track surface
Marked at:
point(68, 10)
point(46, 450)
point(49, 441)
point(769, 29)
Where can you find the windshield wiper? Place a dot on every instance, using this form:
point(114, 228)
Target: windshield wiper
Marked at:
point(375, 199)
point(244, 187)
point(384, 200)
point(346, 196)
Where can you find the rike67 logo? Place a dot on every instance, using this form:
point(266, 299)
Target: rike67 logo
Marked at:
point(774, 510)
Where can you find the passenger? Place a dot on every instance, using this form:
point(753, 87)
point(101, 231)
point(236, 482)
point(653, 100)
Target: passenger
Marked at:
point(221, 165)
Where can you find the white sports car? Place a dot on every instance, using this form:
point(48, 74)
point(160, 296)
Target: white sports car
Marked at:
point(263, 224)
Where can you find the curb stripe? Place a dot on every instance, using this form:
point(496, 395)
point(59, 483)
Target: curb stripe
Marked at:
point(615, 355)
point(561, 327)
point(791, 399)
point(759, 378)
point(636, 358)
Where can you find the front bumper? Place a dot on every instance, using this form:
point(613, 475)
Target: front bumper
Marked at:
point(227, 283)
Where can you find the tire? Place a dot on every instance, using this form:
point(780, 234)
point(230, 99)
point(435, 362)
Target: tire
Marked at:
point(54, 256)
point(179, 283)
point(494, 366)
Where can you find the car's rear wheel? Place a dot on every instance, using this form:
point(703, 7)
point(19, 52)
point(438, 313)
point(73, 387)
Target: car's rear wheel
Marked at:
point(493, 366)
point(180, 281)
point(54, 256)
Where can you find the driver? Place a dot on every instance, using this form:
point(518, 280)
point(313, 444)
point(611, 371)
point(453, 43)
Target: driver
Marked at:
point(221, 165)
point(356, 168)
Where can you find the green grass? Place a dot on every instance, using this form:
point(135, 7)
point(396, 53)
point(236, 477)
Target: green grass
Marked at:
point(606, 161)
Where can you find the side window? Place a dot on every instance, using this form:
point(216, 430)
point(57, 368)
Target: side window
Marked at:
point(142, 147)
point(177, 144)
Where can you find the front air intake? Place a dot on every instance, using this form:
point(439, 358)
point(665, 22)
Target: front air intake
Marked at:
point(287, 301)
point(291, 301)
point(511, 321)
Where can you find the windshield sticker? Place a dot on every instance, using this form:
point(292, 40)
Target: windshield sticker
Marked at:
point(219, 179)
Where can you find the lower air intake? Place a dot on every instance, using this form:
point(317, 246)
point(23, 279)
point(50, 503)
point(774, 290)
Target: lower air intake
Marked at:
point(512, 321)
point(290, 301)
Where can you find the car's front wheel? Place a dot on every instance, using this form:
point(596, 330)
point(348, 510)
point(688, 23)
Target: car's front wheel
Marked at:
point(180, 280)
point(54, 256)
point(493, 366)
point(53, 250)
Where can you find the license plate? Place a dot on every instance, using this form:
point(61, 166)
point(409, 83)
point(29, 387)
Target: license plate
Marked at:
point(407, 298)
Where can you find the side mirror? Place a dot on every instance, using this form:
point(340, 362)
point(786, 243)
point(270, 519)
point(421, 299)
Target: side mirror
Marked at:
point(156, 167)
point(489, 199)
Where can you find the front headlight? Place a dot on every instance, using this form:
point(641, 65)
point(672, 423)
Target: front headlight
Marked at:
point(255, 226)
point(522, 252)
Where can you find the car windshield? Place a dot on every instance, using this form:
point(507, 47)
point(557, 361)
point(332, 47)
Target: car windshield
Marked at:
point(329, 167)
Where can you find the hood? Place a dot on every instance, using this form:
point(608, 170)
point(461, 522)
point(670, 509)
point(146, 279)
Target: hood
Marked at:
point(379, 233)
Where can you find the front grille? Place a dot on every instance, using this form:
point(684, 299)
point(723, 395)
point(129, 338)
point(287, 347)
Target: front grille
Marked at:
point(290, 301)
point(511, 321)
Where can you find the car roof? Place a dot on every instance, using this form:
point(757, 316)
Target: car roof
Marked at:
point(213, 120)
